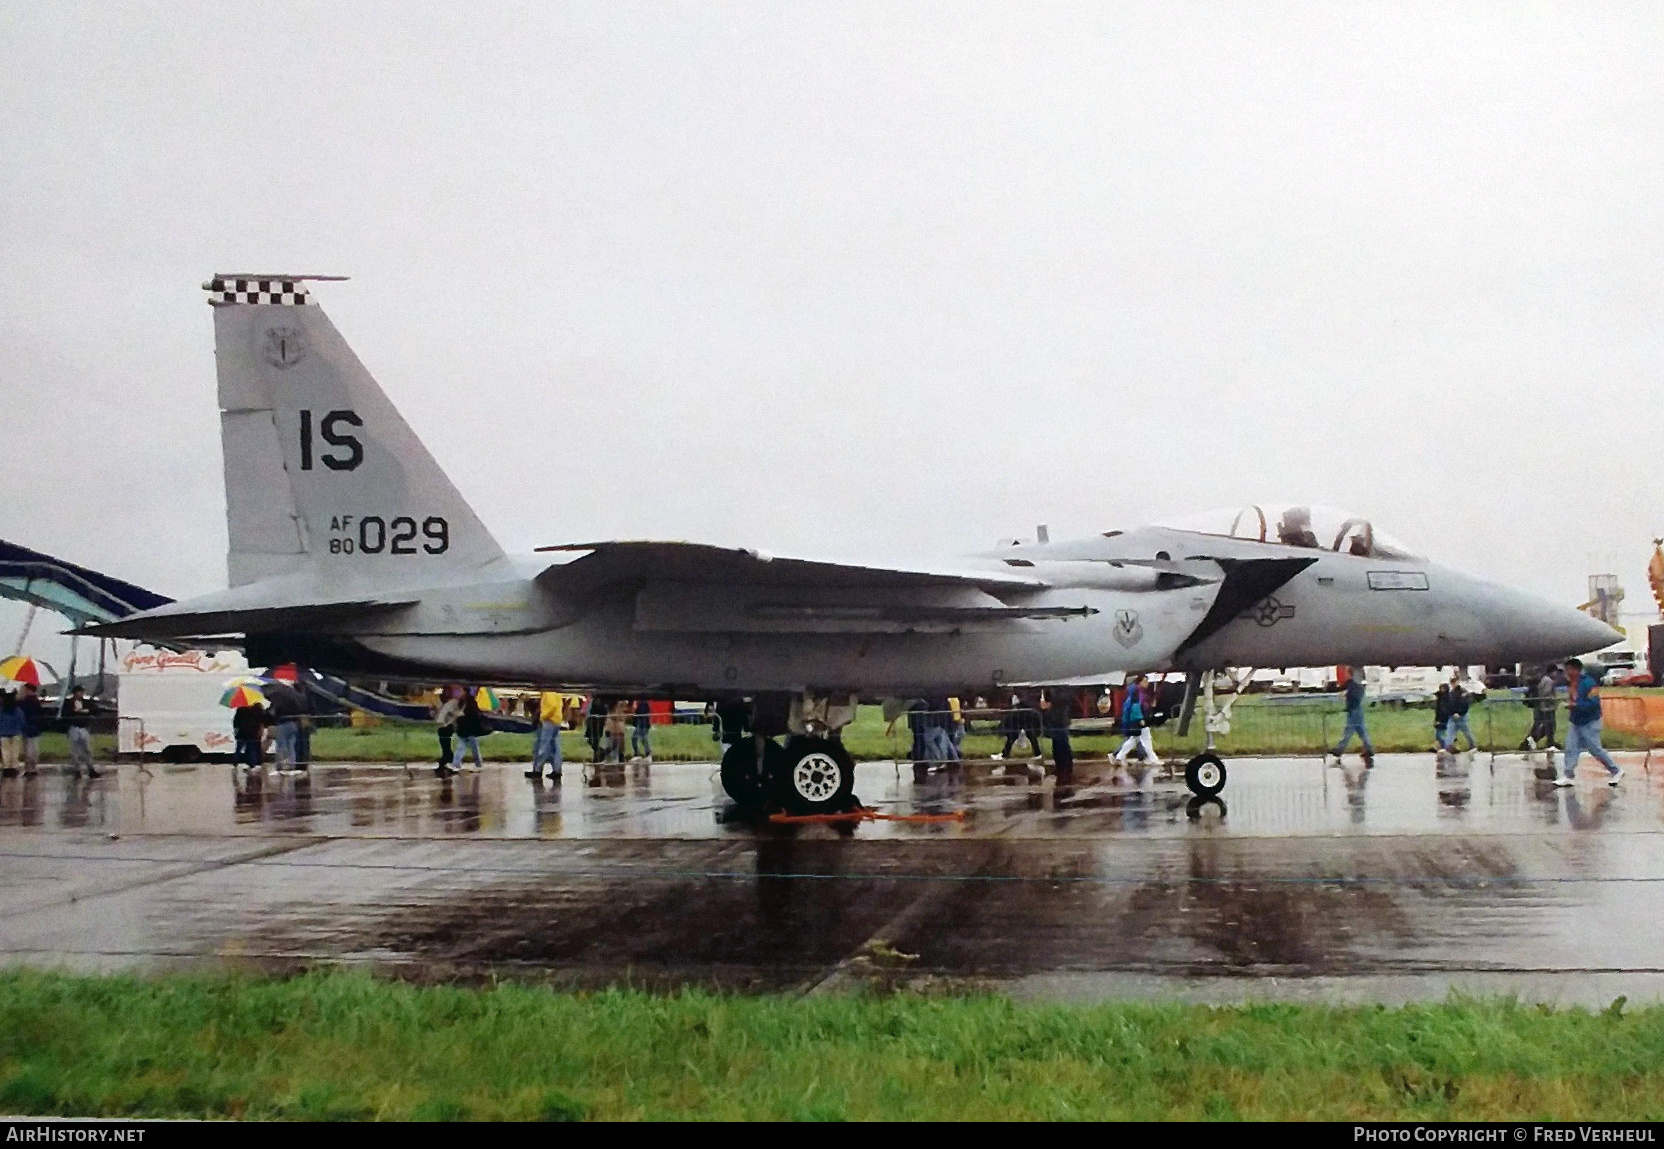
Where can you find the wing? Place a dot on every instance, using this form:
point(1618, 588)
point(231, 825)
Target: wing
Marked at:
point(588, 565)
point(693, 588)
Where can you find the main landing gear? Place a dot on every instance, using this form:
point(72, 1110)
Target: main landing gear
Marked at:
point(809, 773)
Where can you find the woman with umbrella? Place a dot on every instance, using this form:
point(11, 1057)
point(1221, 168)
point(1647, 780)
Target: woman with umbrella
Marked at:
point(470, 728)
point(248, 720)
point(26, 671)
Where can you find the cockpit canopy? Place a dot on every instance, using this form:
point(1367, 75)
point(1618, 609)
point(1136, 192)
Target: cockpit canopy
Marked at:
point(1297, 525)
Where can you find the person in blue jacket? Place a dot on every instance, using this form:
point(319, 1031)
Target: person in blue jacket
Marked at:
point(1583, 690)
point(1135, 726)
point(1355, 718)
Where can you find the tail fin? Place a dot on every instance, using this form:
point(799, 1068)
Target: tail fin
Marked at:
point(320, 469)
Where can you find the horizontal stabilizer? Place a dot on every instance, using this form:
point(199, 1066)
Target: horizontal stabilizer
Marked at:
point(166, 624)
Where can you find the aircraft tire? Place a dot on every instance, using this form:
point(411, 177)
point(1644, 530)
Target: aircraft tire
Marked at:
point(1205, 774)
point(740, 779)
point(816, 776)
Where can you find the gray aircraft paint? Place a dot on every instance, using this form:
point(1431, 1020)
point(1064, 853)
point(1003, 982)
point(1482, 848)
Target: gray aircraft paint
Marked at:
point(319, 466)
point(314, 449)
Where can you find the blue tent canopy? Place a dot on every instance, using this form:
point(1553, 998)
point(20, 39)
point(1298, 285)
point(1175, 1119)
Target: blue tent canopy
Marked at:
point(76, 593)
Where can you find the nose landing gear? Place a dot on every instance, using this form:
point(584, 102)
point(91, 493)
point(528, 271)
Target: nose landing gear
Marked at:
point(1205, 773)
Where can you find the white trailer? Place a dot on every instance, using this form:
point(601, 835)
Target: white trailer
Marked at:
point(169, 700)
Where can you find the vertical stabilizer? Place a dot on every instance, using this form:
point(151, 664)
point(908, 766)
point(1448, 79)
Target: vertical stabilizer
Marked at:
point(320, 468)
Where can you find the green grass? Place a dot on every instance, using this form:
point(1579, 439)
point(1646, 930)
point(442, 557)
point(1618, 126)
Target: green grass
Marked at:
point(1260, 725)
point(342, 1045)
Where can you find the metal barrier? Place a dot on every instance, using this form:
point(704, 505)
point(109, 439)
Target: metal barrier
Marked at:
point(1273, 726)
point(1258, 726)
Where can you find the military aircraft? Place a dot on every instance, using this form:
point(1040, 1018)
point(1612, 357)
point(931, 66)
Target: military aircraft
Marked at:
point(350, 551)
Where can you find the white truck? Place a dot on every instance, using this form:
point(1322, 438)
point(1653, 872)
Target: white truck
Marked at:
point(168, 701)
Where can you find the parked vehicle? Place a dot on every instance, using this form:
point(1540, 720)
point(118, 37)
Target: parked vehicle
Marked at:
point(168, 701)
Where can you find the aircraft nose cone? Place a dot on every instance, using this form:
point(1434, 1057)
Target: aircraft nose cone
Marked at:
point(1585, 633)
point(1560, 632)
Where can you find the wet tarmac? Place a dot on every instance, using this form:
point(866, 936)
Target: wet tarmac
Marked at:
point(1404, 882)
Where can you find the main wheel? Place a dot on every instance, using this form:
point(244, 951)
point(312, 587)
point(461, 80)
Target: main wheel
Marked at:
point(817, 776)
point(1205, 774)
point(739, 772)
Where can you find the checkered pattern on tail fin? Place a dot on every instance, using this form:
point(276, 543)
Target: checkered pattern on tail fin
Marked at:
point(225, 290)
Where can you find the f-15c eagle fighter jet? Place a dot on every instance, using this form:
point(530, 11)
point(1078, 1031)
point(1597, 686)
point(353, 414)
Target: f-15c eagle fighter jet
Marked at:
point(350, 551)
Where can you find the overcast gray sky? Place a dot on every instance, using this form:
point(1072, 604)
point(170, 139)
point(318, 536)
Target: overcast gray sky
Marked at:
point(832, 278)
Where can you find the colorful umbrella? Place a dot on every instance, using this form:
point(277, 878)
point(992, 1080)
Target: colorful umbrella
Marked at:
point(486, 697)
point(21, 668)
point(241, 694)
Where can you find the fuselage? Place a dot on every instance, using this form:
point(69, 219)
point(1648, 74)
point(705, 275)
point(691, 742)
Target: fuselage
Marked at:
point(1147, 600)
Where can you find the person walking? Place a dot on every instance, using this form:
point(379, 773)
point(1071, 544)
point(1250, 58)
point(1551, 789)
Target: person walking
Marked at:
point(614, 731)
point(1134, 727)
point(917, 751)
point(34, 721)
point(11, 735)
point(1441, 714)
point(470, 728)
point(1583, 733)
point(444, 718)
point(78, 715)
point(303, 728)
point(956, 729)
point(938, 730)
point(595, 725)
point(286, 708)
point(248, 727)
point(1056, 716)
point(1025, 724)
point(641, 732)
point(551, 716)
point(1460, 700)
point(1354, 696)
point(1543, 705)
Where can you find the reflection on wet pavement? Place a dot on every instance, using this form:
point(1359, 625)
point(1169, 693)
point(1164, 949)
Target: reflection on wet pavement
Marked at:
point(1308, 881)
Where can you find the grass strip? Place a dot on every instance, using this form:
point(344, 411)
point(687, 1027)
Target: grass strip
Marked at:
point(349, 1046)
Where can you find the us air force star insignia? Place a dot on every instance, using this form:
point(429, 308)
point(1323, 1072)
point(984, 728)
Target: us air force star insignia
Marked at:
point(283, 347)
point(1268, 611)
point(1128, 630)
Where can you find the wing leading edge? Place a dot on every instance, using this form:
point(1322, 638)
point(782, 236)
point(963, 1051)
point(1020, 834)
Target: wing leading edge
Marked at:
point(588, 565)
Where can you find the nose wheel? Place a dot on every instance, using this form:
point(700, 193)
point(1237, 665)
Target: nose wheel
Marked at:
point(1205, 774)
